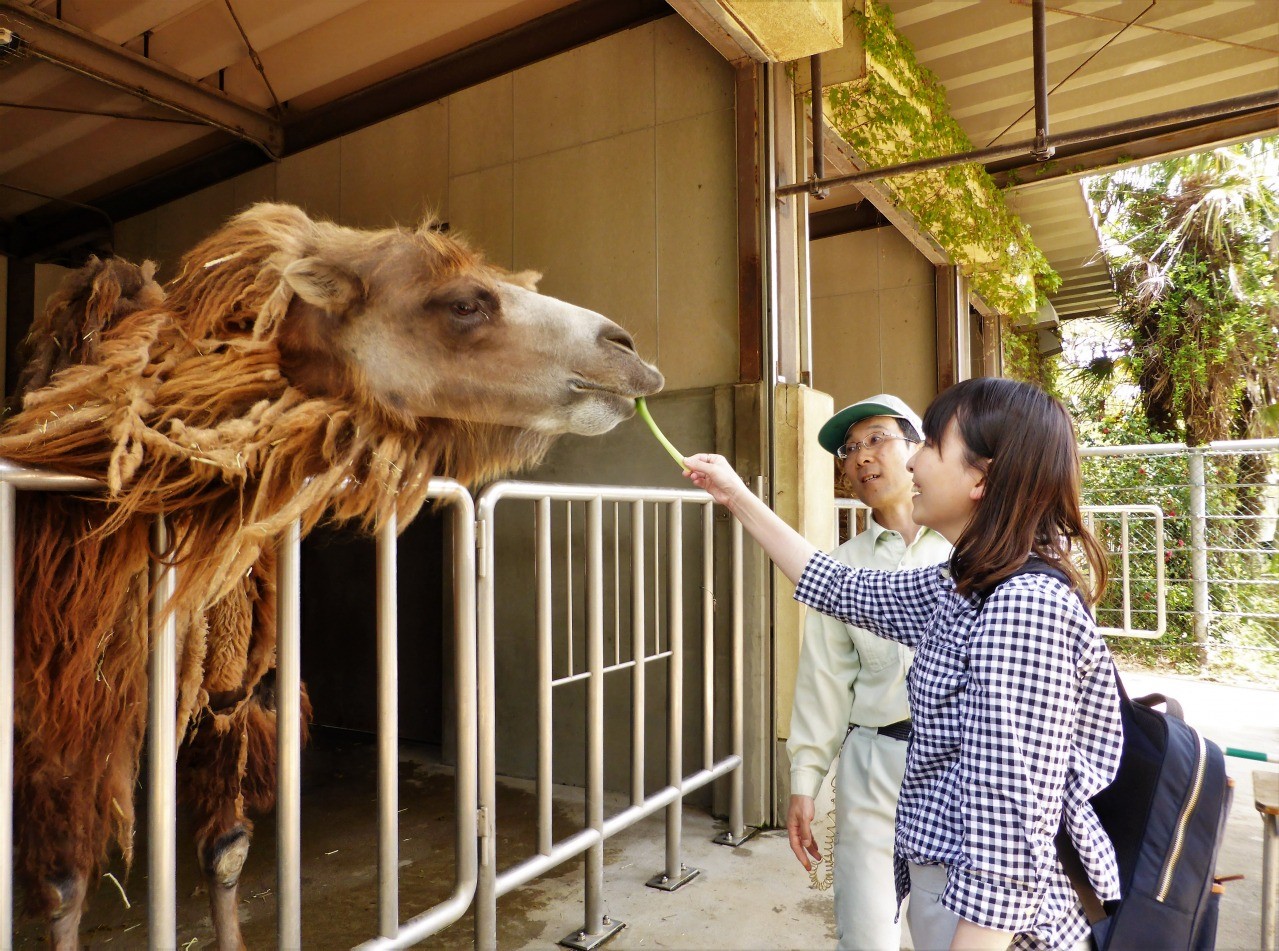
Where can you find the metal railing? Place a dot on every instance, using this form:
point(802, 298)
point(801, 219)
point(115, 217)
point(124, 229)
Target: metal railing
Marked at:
point(162, 741)
point(391, 932)
point(1218, 504)
point(556, 645)
point(1126, 530)
point(13, 478)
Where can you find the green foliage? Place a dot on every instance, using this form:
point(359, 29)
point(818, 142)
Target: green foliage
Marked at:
point(1188, 244)
point(898, 113)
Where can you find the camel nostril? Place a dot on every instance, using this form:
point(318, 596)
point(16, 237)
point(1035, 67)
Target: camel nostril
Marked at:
point(617, 336)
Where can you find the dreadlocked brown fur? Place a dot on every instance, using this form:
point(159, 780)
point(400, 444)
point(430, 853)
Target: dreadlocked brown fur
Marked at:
point(179, 405)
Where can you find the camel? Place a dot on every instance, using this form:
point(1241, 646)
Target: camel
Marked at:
point(294, 369)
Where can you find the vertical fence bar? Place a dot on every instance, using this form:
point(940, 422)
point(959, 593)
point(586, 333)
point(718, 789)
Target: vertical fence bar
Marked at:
point(736, 820)
point(638, 652)
point(736, 832)
point(289, 743)
point(675, 874)
point(675, 697)
point(388, 732)
point(595, 713)
point(1126, 561)
point(708, 636)
point(486, 885)
point(545, 654)
point(8, 520)
point(162, 810)
point(1199, 550)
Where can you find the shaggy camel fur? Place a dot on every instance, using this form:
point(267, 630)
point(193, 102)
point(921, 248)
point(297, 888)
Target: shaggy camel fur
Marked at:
point(295, 370)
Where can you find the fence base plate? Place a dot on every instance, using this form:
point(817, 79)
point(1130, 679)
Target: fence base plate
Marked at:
point(667, 884)
point(733, 841)
point(581, 941)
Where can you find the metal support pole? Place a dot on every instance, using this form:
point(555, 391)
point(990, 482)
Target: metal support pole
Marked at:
point(819, 124)
point(1019, 150)
point(737, 833)
point(545, 628)
point(676, 873)
point(486, 885)
point(8, 519)
point(708, 636)
point(1199, 551)
point(638, 653)
point(595, 712)
point(597, 928)
point(388, 732)
point(288, 705)
point(1269, 881)
point(1042, 150)
point(162, 810)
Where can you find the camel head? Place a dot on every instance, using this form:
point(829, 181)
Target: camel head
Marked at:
point(417, 323)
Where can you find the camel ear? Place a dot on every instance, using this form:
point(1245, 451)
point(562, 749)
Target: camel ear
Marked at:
point(525, 279)
point(325, 285)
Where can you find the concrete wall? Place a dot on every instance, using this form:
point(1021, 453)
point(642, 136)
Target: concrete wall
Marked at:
point(618, 187)
point(874, 328)
point(611, 170)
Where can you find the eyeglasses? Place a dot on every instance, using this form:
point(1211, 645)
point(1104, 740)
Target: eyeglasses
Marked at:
point(871, 442)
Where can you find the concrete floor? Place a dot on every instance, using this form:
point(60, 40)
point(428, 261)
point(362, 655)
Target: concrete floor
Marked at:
point(752, 897)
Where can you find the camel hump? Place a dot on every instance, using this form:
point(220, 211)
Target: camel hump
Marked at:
point(89, 301)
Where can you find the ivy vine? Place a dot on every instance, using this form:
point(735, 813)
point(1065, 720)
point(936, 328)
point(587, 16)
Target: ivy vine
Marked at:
point(898, 113)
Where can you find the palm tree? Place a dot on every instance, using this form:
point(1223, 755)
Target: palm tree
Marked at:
point(1191, 246)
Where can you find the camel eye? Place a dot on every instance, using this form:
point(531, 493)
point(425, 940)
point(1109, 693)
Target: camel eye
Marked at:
point(465, 308)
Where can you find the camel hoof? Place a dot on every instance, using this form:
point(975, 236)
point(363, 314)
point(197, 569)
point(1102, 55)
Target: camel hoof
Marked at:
point(225, 860)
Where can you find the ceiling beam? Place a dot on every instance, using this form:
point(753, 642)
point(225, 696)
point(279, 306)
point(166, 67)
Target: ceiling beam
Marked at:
point(68, 235)
point(31, 33)
point(827, 223)
point(1121, 150)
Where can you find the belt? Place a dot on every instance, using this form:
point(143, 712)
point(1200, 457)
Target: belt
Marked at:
point(898, 731)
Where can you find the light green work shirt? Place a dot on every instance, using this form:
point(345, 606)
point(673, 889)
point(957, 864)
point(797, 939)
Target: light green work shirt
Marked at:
point(846, 673)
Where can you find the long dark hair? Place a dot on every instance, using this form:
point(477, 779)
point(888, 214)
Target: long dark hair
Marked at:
point(1024, 441)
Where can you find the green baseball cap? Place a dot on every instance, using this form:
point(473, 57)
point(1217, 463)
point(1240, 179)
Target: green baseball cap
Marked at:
point(831, 435)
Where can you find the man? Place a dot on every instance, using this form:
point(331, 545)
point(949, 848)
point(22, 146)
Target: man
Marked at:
point(850, 690)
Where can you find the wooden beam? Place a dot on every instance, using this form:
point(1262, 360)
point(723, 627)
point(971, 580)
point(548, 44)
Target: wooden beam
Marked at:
point(750, 310)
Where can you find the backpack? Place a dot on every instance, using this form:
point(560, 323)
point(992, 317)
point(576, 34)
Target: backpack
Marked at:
point(1165, 812)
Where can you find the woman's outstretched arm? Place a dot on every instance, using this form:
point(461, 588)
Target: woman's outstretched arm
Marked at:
point(788, 549)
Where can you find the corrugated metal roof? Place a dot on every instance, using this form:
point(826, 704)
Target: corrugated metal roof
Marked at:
point(1108, 61)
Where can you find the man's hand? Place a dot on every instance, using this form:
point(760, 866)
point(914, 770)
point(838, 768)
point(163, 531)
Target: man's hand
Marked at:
point(799, 826)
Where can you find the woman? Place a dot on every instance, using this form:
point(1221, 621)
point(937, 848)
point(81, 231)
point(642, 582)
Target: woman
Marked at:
point(1012, 692)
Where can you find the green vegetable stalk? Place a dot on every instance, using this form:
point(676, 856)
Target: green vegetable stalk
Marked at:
point(642, 408)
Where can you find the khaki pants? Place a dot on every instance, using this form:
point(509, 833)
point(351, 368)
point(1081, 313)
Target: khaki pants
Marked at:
point(932, 924)
point(867, 781)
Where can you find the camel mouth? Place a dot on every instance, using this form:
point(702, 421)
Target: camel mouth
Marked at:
point(591, 389)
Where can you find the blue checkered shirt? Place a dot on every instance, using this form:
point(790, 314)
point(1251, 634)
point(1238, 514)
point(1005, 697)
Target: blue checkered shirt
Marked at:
point(1016, 719)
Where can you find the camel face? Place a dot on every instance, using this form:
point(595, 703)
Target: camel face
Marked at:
point(476, 344)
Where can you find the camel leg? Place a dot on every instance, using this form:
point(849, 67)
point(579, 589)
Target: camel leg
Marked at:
point(222, 861)
point(68, 901)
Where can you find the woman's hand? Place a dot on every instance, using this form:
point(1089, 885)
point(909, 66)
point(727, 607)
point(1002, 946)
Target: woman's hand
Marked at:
point(712, 473)
point(799, 826)
point(788, 549)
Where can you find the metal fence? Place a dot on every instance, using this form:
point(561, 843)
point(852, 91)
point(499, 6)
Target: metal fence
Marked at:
point(646, 528)
point(1134, 606)
point(602, 620)
point(1218, 505)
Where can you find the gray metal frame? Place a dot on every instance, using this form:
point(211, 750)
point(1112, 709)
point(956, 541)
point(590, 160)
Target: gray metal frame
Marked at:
point(590, 840)
point(1092, 514)
point(477, 880)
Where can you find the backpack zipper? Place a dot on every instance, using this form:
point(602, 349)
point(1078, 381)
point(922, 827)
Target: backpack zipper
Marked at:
point(1179, 841)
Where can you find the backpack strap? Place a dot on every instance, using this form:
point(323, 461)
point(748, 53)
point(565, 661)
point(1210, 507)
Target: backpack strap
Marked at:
point(1171, 706)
